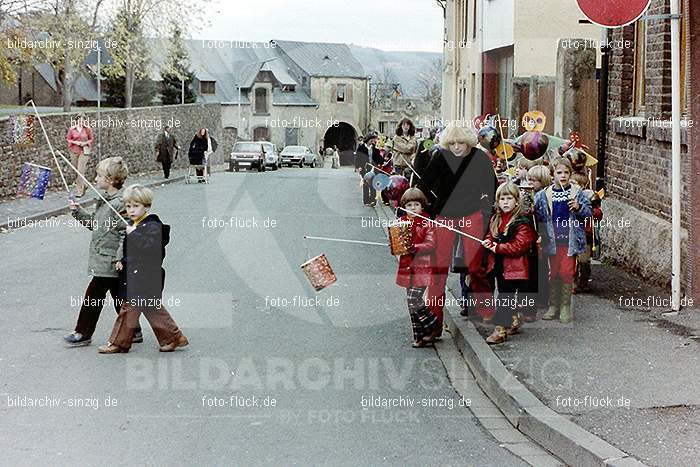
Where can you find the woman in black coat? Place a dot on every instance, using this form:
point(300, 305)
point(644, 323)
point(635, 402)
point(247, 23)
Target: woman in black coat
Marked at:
point(201, 146)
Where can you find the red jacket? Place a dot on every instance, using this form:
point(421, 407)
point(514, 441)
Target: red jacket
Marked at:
point(75, 135)
point(415, 270)
point(514, 248)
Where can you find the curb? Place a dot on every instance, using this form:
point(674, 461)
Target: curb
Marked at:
point(65, 210)
point(554, 432)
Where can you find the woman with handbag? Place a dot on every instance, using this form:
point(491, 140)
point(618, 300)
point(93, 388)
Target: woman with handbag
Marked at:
point(80, 141)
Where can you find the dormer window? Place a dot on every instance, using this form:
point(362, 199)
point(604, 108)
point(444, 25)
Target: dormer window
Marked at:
point(288, 88)
point(207, 87)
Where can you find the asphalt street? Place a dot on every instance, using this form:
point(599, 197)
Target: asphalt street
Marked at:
point(276, 374)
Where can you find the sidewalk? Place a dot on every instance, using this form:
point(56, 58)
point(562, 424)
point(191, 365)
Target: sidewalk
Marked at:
point(15, 211)
point(611, 354)
point(613, 351)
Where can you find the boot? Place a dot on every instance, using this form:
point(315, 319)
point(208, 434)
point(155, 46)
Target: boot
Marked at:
point(566, 315)
point(553, 301)
point(584, 275)
point(498, 336)
point(515, 325)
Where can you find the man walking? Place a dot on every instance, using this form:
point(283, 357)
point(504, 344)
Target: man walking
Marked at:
point(166, 150)
point(368, 155)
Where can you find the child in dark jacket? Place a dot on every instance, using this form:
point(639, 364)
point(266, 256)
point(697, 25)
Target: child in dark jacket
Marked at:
point(511, 239)
point(142, 277)
point(415, 269)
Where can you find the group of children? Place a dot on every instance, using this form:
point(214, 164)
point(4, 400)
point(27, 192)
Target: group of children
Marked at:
point(126, 259)
point(532, 249)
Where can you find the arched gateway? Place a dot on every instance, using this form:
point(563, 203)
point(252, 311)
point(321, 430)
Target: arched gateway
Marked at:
point(344, 136)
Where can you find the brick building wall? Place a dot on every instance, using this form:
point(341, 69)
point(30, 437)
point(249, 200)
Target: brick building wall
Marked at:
point(693, 258)
point(638, 155)
point(131, 135)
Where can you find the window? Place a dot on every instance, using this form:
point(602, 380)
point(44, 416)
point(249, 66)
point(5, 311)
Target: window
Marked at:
point(288, 88)
point(340, 93)
point(640, 64)
point(261, 101)
point(474, 19)
point(464, 16)
point(207, 87)
point(382, 127)
point(505, 86)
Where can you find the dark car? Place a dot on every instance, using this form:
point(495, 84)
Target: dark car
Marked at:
point(248, 155)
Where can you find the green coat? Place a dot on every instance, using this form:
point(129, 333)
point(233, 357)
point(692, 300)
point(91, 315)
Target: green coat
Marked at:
point(108, 232)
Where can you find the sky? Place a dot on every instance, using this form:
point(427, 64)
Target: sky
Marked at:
point(414, 25)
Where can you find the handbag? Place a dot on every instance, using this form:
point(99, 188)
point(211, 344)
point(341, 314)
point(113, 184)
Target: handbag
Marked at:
point(87, 150)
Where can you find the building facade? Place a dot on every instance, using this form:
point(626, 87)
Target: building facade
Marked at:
point(501, 57)
point(637, 166)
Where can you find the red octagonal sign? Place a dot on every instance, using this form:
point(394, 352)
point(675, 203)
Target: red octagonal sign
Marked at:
point(613, 13)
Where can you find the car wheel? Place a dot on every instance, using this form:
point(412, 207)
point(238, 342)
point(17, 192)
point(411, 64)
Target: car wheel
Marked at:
point(301, 164)
point(274, 167)
point(237, 169)
point(313, 164)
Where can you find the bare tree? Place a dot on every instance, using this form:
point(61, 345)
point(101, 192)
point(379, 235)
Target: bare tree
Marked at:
point(133, 17)
point(70, 29)
point(430, 83)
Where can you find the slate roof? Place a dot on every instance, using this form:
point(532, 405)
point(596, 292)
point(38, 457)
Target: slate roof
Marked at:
point(323, 59)
point(224, 61)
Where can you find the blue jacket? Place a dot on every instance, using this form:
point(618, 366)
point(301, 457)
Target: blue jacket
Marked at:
point(577, 222)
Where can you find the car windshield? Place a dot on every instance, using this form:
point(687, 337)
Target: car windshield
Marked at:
point(246, 147)
point(293, 150)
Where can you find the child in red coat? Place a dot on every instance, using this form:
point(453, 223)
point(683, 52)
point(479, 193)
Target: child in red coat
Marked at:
point(511, 238)
point(415, 269)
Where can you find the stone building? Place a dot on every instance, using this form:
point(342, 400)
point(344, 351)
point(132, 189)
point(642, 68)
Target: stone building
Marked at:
point(291, 93)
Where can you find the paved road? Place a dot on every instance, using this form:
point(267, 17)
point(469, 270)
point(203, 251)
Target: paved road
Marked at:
point(257, 336)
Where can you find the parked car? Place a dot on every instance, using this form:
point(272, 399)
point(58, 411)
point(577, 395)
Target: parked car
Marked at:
point(254, 155)
point(298, 155)
point(272, 156)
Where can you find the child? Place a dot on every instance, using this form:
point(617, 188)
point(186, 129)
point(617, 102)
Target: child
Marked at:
point(142, 277)
point(415, 269)
point(511, 238)
point(583, 261)
point(521, 169)
point(105, 249)
point(561, 211)
point(540, 177)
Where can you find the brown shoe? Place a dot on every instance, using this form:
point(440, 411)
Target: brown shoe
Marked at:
point(498, 336)
point(111, 348)
point(514, 326)
point(181, 341)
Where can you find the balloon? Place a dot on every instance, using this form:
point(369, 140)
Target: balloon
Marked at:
point(397, 186)
point(489, 138)
point(380, 181)
point(533, 144)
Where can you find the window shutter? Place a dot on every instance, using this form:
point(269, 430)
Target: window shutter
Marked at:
point(334, 93)
point(348, 93)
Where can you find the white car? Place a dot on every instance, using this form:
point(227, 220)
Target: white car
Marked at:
point(298, 155)
point(272, 156)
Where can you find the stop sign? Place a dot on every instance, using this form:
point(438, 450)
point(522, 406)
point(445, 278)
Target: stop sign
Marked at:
point(613, 13)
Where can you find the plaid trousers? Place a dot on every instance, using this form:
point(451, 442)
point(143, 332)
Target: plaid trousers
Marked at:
point(423, 320)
